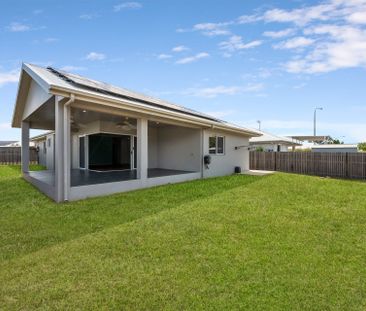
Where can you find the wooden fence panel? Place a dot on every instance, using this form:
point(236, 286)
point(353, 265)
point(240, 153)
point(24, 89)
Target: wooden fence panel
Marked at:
point(12, 155)
point(339, 165)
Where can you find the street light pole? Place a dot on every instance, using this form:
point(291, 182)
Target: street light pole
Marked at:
point(317, 108)
point(259, 124)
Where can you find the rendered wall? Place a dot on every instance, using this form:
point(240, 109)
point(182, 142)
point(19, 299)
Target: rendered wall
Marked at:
point(179, 148)
point(153, 147)
point(50, 157)
point(225, 164)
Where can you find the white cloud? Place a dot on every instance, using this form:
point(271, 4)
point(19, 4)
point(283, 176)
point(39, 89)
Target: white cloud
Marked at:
point(357, 17)
point(294, 43)
point(127, 6)
point(279, 34)
point(213, 29)
point(180, 48)
point(164, 56)
point(18, 27)
point(5, 126)
point(193, 58)
point(9, 77)
point(341, 47)
point(71, 68)
point(50, 40)
point(333, 35)
point(246, 19)
point(236, 43)
point(211, 92)
point(88, 16)
point(95, 56)
point(302, 16)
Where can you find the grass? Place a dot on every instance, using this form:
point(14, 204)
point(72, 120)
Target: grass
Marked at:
point(281, 242)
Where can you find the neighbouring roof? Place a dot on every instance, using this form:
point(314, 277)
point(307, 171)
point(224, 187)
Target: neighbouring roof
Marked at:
point(40, 137)
point(52, 81)
point(311, 138)
point(268, 138)
point(7, 142)
point(334, 146)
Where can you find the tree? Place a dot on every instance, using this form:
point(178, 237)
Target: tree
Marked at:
point(362, 146)
point(334, 141)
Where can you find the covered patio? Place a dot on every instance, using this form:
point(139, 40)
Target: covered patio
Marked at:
point(88, 145)
point(89, 177)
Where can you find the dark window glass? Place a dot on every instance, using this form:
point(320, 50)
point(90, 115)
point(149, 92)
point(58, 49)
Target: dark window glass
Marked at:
point(135, 152)
point(212, 145)
point(220, 145)
point(82, 152)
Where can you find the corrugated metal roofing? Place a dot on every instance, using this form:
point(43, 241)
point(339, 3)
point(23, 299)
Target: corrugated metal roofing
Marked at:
point(271, 138)
point(50, 77)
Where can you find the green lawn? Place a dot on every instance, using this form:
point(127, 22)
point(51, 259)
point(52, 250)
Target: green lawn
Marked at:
point(280, 242)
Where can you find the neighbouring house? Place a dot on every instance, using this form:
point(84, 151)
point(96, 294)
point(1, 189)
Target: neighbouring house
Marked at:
point(44, 144)
point(335, 148)
point(311, 139)
point(272, 143)
point(106, 139)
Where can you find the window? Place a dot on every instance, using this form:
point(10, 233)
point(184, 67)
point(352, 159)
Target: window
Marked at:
point(44, 147)
point(216, 145)
point(212, 145)
point(49, 142)
point(220, 145)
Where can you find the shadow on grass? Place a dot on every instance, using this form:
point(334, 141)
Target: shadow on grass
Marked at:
point(30, 221)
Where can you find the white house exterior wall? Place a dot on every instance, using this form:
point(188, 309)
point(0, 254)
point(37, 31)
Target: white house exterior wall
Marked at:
point(225, 164)
point(179, 148)
point(36, 97)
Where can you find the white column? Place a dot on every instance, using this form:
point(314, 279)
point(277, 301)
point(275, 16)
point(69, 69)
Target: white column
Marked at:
point(67, 151)
point(59, 150)
point(25, 147)
point(142, 148)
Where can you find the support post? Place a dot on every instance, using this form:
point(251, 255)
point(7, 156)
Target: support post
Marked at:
point(142, 148)
point(59, 150)
point(67, 151)
point(25, 147)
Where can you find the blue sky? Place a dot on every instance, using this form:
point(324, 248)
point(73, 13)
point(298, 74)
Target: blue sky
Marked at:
point(239, 60)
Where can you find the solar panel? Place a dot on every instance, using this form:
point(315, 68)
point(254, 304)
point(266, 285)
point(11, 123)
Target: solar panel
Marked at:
point(111, 90)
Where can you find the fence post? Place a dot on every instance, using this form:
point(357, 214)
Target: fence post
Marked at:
point(347, 172)
point(275, 161)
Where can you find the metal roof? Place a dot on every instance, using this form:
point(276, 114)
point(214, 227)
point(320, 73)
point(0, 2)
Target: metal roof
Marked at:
point(52, 79)
point(311, 138)
point(272, 139)
point(108, 89)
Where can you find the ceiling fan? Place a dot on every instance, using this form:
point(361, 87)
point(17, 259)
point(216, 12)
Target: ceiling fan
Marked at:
point(126, 125)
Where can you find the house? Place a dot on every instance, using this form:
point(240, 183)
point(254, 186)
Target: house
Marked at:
point(44, 144)
point(273, 143)
point(107, 139)
point(335, 148)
